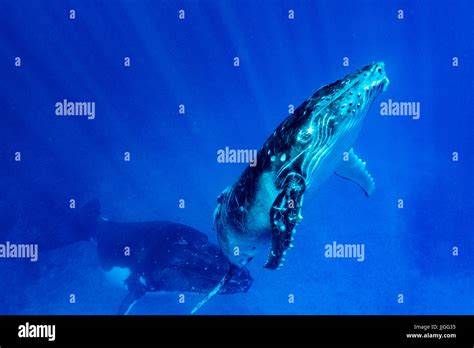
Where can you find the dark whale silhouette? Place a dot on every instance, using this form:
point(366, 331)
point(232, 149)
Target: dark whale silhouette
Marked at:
point(164, 256)
point(154, 256)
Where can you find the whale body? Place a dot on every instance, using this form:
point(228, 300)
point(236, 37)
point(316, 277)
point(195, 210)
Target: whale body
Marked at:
point(146, 256)
point(261, 210)
point(263, 207)
point(163, 256)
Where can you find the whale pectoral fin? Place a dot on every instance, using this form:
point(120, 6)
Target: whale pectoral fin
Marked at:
point(223, 282)
point(354, 169)
point(284, 215)
point(128, 301)
point(136, 290)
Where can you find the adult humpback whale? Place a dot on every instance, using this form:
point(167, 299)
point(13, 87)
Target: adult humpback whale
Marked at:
point(263, 207)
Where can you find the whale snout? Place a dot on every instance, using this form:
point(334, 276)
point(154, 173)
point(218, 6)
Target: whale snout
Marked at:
point(376, 73)
point(379, 69)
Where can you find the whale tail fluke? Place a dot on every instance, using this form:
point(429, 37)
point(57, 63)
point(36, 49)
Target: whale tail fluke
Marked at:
point(227, 277)
point(69, 227)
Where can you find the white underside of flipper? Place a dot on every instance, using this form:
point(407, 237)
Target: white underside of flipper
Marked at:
point(353, 168)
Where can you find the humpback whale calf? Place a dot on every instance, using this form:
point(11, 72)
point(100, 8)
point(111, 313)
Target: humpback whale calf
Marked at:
point(150, 256)
point(262, 209)
point(164, 256)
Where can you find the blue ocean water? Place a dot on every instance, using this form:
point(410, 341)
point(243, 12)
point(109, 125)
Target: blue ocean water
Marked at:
point(423, 251)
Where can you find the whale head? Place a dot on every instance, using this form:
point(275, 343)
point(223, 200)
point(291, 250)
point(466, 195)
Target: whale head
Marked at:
point(353, 95)
point(332, 115)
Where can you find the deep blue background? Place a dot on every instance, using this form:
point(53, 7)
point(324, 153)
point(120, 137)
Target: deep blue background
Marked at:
point(408, 250)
